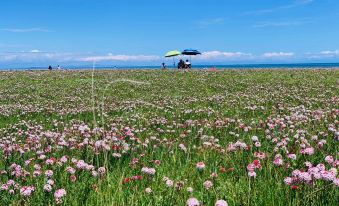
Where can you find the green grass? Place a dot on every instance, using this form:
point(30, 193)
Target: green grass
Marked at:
point(190, 108)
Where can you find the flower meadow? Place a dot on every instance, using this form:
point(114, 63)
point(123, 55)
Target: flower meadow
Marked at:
point(147, 137)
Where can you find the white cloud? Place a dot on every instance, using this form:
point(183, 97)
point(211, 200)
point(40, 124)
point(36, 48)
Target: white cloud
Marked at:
point(219, 55)
point(295, 3)
point(324, 54)
point(111, 57)
point(277, 24)
point(36, 55)
point(16, 30)
point(35, 51)
point(278, 54)
point(303, 1)
point(241, 56)
point(8, 57)
point(330, 53)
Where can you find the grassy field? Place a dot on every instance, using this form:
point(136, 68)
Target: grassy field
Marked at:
point(242, 137)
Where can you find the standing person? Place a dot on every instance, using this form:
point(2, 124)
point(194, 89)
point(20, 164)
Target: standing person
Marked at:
point(59, 68)
point(163, 65)
point(50, 68)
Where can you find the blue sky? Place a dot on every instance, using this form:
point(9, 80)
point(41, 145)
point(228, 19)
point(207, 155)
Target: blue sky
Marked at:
point(139, 32)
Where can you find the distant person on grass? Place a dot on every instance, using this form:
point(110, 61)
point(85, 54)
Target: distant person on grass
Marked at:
point(187, 64)
point(50, 68)
point(181, 64)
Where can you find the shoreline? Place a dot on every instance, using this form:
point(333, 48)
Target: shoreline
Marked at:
point(195, 66)
point(171, 69)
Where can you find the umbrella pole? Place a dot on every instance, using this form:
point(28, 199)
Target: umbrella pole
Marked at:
point(191, 60)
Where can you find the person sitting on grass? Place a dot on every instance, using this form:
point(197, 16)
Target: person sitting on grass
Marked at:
point(181, 64)
point(187, 64)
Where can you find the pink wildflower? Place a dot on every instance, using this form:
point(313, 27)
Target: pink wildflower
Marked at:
point(292, 156)
point(257, 144)
point(50, 182)
point(148, 190)
point(260, 155)
point(169, 183)
point(49, 173)
point(252, 174)
point(250, 167)
point(336, 182)
point(47, 187)
point(214, 175)
point(329, 159)
point(101, 170)
point(208, 184)
point(94, 173)
point(157, 162)
point(309, 151)
point(288, 180)
point(192, 202)
point(36, 173)
point(221, 203)
point(149, 171)
point(255, 139)
point(64, 159)
point(26, 190)
point(50, 161)
point(70, 170)
point(278, 161)
point(189, 189)
point(72, 178)
point(200, 166)
point(60, 193)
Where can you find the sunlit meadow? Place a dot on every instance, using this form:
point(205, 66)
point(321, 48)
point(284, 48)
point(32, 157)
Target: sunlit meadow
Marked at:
point(235, 137)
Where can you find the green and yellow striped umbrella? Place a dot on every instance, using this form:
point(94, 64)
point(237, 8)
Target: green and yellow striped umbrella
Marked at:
point(172, 53)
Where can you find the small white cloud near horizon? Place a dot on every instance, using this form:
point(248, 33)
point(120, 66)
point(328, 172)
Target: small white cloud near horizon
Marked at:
point(277, 24)
point(35, 51)
point(241, 56)
point(41, 56)
point(219, 55)
point(326, 54)
point(330, 53)
point(111, 57)
point(37, 56)
point(278, 54)
point(26, 30)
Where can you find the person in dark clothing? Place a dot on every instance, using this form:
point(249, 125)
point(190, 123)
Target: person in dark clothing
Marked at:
point(163, 65)
point(50, 68)
point(181, 64)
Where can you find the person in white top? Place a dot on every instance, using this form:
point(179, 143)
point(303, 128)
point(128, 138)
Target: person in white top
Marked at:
point(188, 64)
point(59, 68)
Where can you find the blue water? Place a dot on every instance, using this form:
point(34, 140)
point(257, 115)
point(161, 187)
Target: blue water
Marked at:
point(231, 66)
